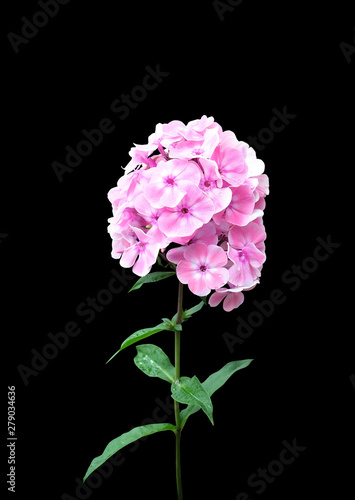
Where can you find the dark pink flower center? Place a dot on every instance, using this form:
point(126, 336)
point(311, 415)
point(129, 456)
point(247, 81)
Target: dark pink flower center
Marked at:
point(207, 184)
point(241, 255)
point(170, 181)
point(185, 210)
point(203, 268)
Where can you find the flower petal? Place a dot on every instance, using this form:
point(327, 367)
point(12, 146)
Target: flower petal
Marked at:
point(232, 301)
point(185, 271)
point(215, 278)
point(216, 256)
point(196, 253)
point(198, 284)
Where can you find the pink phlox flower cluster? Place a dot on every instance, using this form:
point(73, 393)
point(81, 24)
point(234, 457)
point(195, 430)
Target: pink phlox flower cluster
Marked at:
point(197, 195)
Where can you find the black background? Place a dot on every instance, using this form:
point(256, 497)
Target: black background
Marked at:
point(261, 56)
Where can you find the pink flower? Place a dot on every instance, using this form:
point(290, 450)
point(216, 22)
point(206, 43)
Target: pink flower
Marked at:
point(255, 166)
point(206, 234)
point(194, 210)
point(120, 243)
point(121, 223)
point(196, 129)
point(231, 163)
point(145, 248)
point(202, 268)
point(167, 186)
point(171, 132)
point(246, 251)
point(211, 183)
point(128, 188)
point(200, 188)
point(197, 148)
point(151, 216)
point(233, 298)
point(261, 191)
point(139, 157)
point(240, 211)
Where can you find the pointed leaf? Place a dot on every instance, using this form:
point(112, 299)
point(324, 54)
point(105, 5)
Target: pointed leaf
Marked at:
point(191, 391)
point(151, 278)
point(189, 312)
point(217, 379)
point(140, 335)
point(154, 362)
point(125, 439)
point(214, 382)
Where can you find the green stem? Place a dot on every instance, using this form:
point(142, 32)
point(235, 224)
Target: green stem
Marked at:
point(173, 266)
point(176, 404)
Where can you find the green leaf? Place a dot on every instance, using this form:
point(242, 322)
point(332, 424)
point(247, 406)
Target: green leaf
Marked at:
point(166, 325)
point(187, 314)
point(214, 382)
point(217, 379)
point(140, 335)
point(159, 261)
point(191, 391)
point(151, 278)
point(154, 362)
point(125, 439)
